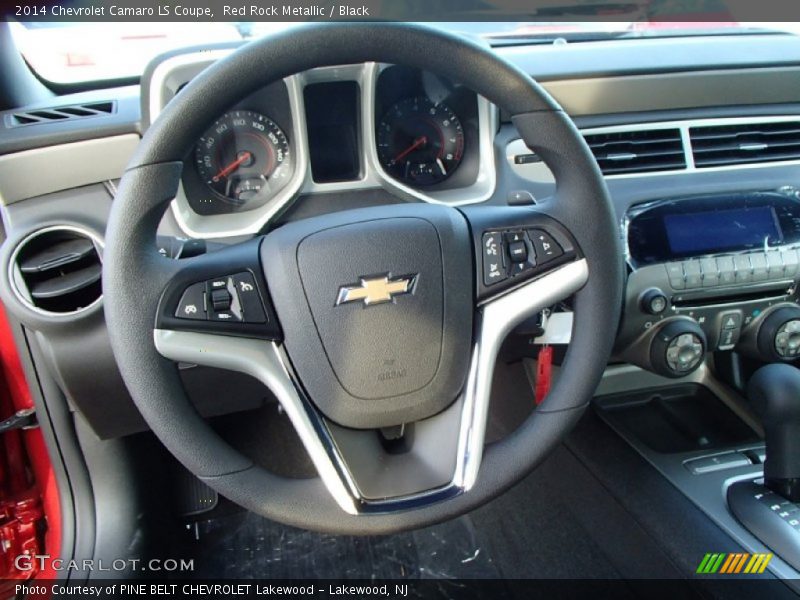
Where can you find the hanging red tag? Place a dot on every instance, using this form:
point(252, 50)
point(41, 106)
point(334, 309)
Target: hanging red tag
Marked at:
point(544, 373)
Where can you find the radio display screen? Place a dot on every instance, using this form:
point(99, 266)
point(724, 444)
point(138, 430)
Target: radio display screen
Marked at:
point(720, 230)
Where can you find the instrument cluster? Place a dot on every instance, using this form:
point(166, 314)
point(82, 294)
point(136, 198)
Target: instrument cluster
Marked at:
point(420, 132)
point(245, 157)
point(426, 129)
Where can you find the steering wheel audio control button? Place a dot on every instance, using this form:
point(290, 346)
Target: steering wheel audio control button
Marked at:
point(518, 251)
point(493, 266)
point(192, 304)
point(545, 246)
point(221, 300)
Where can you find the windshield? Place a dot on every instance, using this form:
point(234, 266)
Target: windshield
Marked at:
point(68, 53)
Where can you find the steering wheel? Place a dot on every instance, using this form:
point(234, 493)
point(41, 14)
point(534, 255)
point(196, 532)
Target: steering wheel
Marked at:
point(377, 329)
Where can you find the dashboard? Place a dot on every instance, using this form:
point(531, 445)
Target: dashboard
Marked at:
point(708, 133)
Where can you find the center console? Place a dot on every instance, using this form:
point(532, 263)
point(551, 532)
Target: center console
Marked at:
point(712, 272)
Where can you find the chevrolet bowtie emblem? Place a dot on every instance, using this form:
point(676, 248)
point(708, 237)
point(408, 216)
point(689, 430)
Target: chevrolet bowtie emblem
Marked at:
point(375, 290)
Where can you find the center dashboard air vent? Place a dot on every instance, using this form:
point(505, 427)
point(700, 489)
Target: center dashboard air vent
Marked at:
point(57, 270)
point(638, 151)
point(745, 143)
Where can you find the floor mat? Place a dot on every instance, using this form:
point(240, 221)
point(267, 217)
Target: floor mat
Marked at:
point(558, 523)
point(245, 546)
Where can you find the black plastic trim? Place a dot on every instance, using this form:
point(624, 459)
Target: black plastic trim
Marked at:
point(222, 263)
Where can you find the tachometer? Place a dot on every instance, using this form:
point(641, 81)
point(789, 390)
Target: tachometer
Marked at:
point(420, 142)
point(244, 158)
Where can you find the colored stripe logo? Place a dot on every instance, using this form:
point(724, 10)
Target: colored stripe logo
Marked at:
point(733, 563)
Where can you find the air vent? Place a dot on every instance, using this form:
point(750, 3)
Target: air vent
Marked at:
point(741, 144)
point(638, 151)
point(58, 270)
point(61, 113)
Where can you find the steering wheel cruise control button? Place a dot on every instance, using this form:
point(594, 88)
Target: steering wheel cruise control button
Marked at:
point(192, 304)
point(249, 299)
point(221, 300)
point(493, 267)
point(224, 302)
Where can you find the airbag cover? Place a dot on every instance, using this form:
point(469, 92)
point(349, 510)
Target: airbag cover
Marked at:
point(378, 322)
point(385, 347)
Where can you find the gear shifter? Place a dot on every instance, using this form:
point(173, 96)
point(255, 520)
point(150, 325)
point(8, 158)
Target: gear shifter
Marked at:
point(771, 511)
point(774, 392)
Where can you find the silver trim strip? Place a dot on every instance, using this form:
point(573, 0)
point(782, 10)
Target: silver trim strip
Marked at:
point(160, 92)
point(267, 362)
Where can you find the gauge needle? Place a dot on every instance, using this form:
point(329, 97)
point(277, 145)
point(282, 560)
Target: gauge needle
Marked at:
point(244, 156)
point(420, 141)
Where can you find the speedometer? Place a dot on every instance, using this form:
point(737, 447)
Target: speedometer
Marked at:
point(244, 158)
point(420, 142)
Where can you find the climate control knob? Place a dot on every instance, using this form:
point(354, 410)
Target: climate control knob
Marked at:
point(779, 335)
point(678, 348)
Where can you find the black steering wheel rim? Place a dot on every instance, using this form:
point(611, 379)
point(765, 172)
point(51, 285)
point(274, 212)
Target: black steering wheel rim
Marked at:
point(135, 274)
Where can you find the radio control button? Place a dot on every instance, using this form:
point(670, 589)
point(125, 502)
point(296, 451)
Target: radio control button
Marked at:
point(744, 270)
point(791, 262)
point(653, 301)
point(545, 247)
point(726, 270)
point(710, 272)
point(675, 275)
point(775, 265)
point(694, 275)
point(759, 262)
